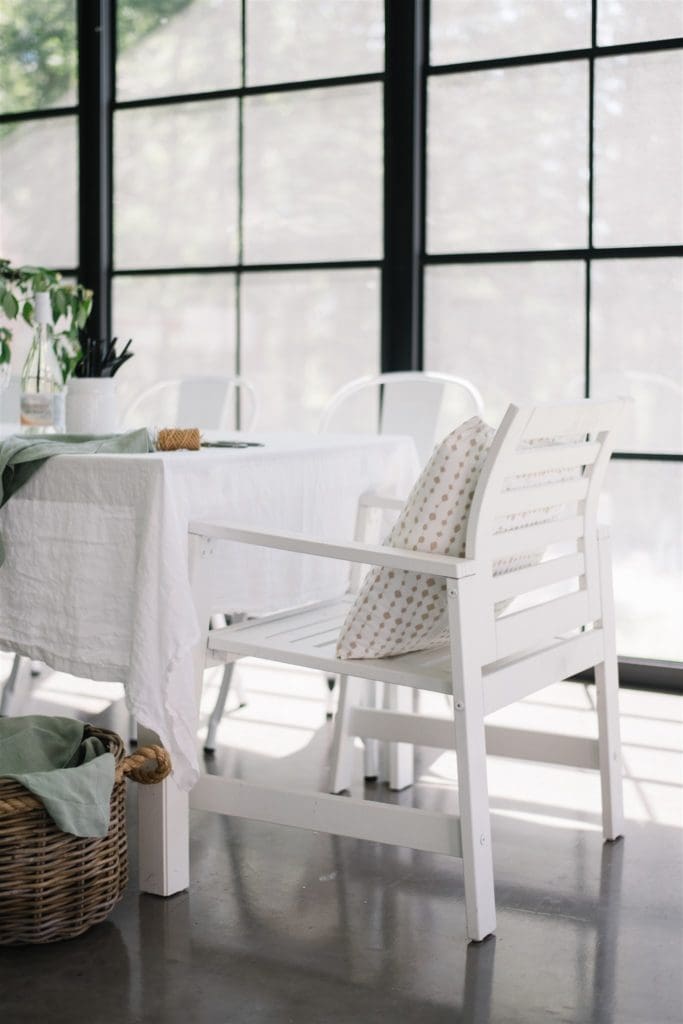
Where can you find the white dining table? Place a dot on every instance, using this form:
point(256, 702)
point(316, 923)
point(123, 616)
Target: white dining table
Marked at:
point(97, 578)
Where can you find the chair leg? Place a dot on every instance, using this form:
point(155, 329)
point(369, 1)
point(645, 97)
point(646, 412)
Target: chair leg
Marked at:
point(217, 622)
point(10, 684)
point(331, 685)
point(475, 827)
point(470, 748)
point(371, 766)
point(219, 708)
point(609, 743)
point(401, 755)
point(240, 692)
point(343, 742)
point(607, 697)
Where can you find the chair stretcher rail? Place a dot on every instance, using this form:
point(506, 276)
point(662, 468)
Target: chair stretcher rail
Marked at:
point(338, 815)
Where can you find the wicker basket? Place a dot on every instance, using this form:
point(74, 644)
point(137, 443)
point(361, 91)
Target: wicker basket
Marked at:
point(54, 885)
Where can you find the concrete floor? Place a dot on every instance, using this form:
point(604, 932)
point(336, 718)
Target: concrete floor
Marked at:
point(286, 926)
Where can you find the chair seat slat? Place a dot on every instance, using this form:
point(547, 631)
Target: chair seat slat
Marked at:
point(291, 644)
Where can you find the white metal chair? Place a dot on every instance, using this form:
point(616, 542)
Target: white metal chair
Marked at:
point(208, 402)
point(411, 402)
point(493, 657)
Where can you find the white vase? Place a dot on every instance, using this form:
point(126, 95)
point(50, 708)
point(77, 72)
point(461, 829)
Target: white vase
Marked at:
point(91, 406)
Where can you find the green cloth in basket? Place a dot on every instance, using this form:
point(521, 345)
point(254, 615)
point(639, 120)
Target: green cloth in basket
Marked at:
point(22, 454)
point(72, 776)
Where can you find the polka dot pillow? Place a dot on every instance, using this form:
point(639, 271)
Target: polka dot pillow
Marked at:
point(397, 611)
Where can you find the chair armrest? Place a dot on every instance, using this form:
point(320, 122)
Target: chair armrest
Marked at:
point(352, 551)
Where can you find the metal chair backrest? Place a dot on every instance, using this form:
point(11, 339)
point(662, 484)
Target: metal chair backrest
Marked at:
point(534, 511)
point(210, 403)
point(409, 402)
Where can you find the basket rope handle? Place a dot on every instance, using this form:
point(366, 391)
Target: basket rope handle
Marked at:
point(11, 804)
point(137, 766)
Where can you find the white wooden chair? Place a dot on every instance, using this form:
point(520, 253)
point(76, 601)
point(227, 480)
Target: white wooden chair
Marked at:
point(493, 658)
point(410, 402)
point(208, 402)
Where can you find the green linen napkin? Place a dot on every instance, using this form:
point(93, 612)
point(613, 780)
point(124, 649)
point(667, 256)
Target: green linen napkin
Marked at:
point(21, 455)
point(72, 776)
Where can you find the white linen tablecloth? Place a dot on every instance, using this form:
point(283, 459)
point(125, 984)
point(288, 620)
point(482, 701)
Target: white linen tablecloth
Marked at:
point(96, 578)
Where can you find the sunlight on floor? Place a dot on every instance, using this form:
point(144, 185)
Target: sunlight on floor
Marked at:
point(283, 728)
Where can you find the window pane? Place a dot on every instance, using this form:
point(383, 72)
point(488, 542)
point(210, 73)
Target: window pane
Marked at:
point(293, 40)
point(463, 30)
point(313, 175)
point(644, 504)
point(38, 190)
point(639, 150)
point(633, 21)
point(515, 330)
point(182, 325)
point(636, 328)
point(176, 185)
point(304, 335)
point(38, 56)
point(171, 47)
point(508, 159)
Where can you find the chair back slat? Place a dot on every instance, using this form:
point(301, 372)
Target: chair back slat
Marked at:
point(536, 577)
point(526, 499)
point(533, 523)
point(538, 625)
point(529, 539)
point(570, 419)
point(412, 407)
point(561, 456)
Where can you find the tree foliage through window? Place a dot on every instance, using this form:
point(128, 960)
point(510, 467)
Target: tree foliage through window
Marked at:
point(38, 50)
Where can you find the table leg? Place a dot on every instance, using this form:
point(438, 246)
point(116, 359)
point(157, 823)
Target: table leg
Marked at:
point(164, 833)
point(163, 810)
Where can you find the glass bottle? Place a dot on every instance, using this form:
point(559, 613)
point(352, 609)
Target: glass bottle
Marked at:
point(42, 390)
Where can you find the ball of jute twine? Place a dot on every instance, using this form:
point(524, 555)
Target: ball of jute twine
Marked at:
point(172, 439)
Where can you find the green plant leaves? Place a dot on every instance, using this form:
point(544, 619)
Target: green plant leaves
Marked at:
point(5, 350)
point(59, 303)
point(70, 304)
point(82, 315)
point(10, 306)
